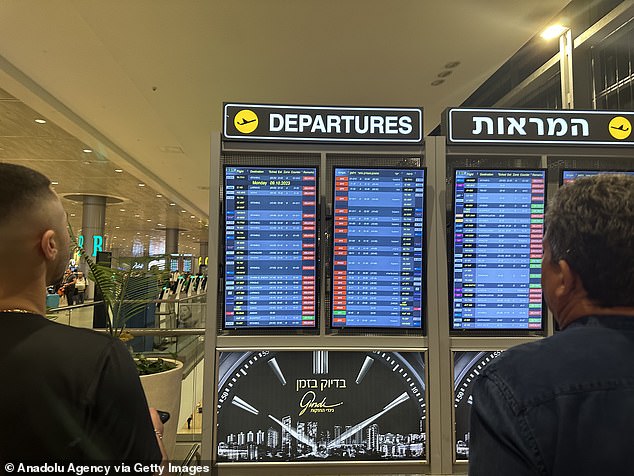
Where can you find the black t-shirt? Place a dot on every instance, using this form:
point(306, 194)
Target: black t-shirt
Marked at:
point(69, 394)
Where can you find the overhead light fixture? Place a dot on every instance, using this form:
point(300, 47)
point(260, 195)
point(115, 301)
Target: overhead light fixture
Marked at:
point(148, 219)
point(122, 209)
point(183, 211)
point(192, 216)
point(53, 182)
point(158, 195)
point(172, 204)
point(137, 216)
point(72, 214)
point(141, 184)
point(117, 227)
point(40, 121)
point(118, 170)
point(87, 151)
point(553, 31)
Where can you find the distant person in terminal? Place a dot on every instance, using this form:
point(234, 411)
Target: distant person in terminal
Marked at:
point(564, 405)
point(68, 394)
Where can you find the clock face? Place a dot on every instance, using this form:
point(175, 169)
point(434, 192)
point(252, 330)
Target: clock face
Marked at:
point(321, 405)
point(467, 367)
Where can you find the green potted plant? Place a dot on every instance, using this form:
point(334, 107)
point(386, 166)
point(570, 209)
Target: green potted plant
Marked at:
point(127, 291)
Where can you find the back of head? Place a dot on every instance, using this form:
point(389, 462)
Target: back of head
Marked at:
point(21, 189)
point(590, 225)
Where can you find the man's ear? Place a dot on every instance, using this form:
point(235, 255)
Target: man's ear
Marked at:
point(568, 280)
point(49, 245)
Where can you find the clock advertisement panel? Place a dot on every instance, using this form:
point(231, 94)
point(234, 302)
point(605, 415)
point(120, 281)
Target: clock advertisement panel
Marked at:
point(466, 368)
point(307, 406)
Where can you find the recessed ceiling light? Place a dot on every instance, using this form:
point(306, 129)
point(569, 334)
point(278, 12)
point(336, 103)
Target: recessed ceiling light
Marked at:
point(40, 121)
point(72, 214)
point(138, 233)
point(158, 195)
point(54, 183)
point(137, 216)
point(86, 162)
point(183, 211)
point(87, 151)
point(117, 227)
point(141, 184)
point(192, 216)
point(122, 209)
point(118, 170)
point(148, 220)
point(159, 224)
point(114, 237)
point(172, 204)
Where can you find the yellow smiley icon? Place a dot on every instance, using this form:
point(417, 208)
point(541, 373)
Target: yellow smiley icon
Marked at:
point(246, 121)
point(620, 128)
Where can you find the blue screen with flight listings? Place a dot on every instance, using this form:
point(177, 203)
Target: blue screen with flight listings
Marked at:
point(270, 247)
point(378, 253)
point(497, 250)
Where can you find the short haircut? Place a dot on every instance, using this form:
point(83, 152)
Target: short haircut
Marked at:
point(21, 188)
point(590, 225)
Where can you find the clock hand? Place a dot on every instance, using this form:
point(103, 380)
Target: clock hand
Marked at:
point(360, 426)
point(238, 402)
point(301, 438)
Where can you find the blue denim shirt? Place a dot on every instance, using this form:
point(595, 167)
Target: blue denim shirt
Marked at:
point(561, 406)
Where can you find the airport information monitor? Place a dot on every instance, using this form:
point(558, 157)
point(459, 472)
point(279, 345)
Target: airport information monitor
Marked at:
point(378, 237)
point(270, 247)
point(498, 228)
point(568, 176)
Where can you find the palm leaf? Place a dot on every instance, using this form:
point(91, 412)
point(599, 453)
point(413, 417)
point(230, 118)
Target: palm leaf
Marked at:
point(126, 291)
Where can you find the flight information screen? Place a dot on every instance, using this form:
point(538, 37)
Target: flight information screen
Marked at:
point(270, 247)
point(378, 248)
point(568, 176)
point(498, 229)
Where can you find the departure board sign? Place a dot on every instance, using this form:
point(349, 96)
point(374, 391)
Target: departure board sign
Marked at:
point(270, 247)
point(498, 229)
point(538, 127)
point(377, 264)
point(568, 176)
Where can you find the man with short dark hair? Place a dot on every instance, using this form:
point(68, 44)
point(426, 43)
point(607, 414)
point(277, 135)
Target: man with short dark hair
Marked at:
point(68, 394)
point(564, 405)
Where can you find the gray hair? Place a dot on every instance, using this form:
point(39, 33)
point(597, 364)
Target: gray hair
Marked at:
point(590, 225)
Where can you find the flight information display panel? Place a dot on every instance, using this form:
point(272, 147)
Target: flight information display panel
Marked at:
point(568, 176)
point(378, 237)
point(498, 229)
point(270, 247)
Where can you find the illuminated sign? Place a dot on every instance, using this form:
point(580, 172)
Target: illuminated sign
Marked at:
point(261, 122)
point(530, 126)
point(97, 243)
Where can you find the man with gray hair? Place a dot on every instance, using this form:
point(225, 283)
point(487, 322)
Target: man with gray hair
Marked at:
point(564, 405)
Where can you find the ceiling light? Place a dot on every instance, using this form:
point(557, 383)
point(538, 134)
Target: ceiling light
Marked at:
point(137, 216)
point(40, 121)
point(452, 64)
point(159, 224)
point(138, 233)
point(118, 170)
point(192, 216)
point(553, 31)
point(114, 237)
point(87, 151)
point(148, 219)
point(86, 162)
point(72, 214)
point(158, 195)
point(54, 183)
point(172, 204)
point(117, 227)
point(437, 82)
point(141, 184)
point(183, 211)
point(122, 209)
